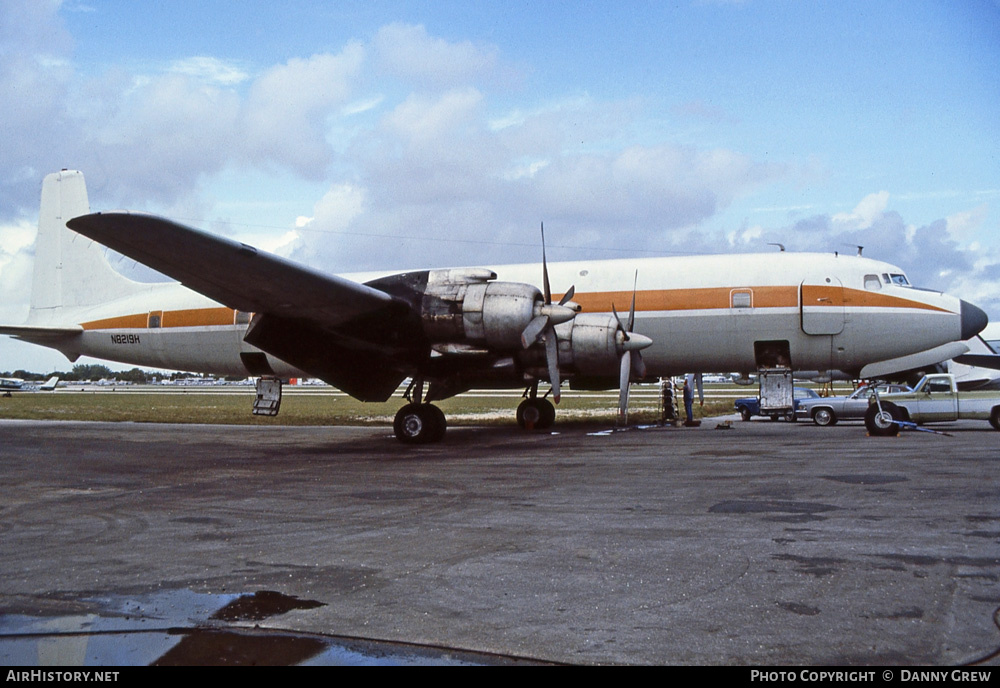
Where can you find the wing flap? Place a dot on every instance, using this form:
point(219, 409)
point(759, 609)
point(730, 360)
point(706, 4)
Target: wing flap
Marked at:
point(234, 274)
point(363, 372)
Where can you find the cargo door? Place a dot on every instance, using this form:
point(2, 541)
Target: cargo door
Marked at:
point(821, 303)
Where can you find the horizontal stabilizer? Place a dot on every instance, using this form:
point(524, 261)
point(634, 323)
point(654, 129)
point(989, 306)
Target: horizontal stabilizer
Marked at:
point(40, 334)
point(923, 358)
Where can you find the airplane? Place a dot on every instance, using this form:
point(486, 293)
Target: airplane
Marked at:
point(16, 384)
point(236, 310)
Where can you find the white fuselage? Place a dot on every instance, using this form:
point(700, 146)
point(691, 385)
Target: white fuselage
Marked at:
point(703, 314)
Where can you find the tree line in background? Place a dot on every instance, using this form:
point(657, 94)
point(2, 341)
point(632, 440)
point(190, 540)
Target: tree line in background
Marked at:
point(94, 372)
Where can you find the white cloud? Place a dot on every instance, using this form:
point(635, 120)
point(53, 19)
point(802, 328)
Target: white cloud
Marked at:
point(359, 106)
point(422, 120)
point(965, 224)
point(209, 69)
point(16, 244)
point(865, 213)
point(284, 119)
point(408, 51)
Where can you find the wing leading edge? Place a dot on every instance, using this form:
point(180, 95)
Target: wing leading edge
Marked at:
point(316, 322)
point(234, 274)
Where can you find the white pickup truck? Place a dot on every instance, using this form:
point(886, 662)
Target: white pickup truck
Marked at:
point(935, 398)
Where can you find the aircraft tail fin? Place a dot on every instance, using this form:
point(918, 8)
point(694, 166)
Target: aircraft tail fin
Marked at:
point(71, 271)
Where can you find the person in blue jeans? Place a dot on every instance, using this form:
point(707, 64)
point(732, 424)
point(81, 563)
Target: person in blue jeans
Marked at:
point(688, 400)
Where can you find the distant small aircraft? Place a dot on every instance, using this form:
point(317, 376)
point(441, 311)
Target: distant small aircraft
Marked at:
point(239, 311)
point(14, 384)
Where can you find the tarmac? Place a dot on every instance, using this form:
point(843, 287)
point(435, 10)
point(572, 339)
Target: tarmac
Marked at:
point(763, 543)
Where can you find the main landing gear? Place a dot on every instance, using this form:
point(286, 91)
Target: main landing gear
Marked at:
point(421, 423)
point(535, 413)
point(418, 422)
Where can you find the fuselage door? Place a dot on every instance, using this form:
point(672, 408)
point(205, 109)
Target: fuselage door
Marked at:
point(821, 303)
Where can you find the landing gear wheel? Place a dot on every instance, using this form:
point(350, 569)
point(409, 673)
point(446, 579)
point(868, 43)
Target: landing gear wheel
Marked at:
point(883, 423)
point(440, 423)
point(419, 424)
point(536, 414)
point(995, 418)
point(548, 413)
point(824, 417)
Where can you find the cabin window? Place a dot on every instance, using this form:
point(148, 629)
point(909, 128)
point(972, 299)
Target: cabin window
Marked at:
point(872, 283)
point(241, 317)
point(741, 299)
point(153, 322)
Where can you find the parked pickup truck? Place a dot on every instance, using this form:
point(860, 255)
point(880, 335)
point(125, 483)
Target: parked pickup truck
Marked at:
point(935, 398)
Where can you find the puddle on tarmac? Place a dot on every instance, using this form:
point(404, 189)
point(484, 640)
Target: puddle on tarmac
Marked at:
point(181, 627)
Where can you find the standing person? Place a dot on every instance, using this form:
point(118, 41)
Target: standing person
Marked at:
point(688, 399)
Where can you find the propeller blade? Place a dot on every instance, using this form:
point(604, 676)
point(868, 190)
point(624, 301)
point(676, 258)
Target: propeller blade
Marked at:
point(530, 334)
point(623, 385)
point(620, 325)
point(552, 359)
point(545, 271)
point(631, 313)
point(638, 367)
point(567, 296)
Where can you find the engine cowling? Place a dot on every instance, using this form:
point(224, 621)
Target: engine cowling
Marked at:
point(468, 306)
point(594, 344)
point(467, 312)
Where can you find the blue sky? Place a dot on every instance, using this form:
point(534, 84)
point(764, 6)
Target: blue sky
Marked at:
point(381, 135)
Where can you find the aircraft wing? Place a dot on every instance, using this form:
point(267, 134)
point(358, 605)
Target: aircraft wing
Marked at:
point(348, 334)
point(234, 274)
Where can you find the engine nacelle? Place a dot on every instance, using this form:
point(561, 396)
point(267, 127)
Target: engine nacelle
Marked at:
point(591, 344)
point(467, 306)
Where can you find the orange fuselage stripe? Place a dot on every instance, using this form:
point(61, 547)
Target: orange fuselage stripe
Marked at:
point(191, 317)
point(709, 298)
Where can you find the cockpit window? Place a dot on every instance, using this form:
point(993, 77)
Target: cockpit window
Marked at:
point(900, 280)
point(872, 283)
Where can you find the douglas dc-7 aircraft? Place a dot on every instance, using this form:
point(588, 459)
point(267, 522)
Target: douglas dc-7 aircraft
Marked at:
point(240, 311)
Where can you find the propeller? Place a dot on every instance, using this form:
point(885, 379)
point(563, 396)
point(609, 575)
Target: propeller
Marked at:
point(543, 325)
point(631, 366)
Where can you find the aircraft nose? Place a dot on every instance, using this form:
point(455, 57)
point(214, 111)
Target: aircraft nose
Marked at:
point(974, 320)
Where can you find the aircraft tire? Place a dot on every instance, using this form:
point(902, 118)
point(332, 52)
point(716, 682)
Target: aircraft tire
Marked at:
point(548, 412)
point(824, 417)
point(440, 422)
point(536, 414)
point(883, 424)
point(995, 417)
point(419, 424)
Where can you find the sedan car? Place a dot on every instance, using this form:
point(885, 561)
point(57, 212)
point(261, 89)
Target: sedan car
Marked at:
point(829, 410)
point(750, 406)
